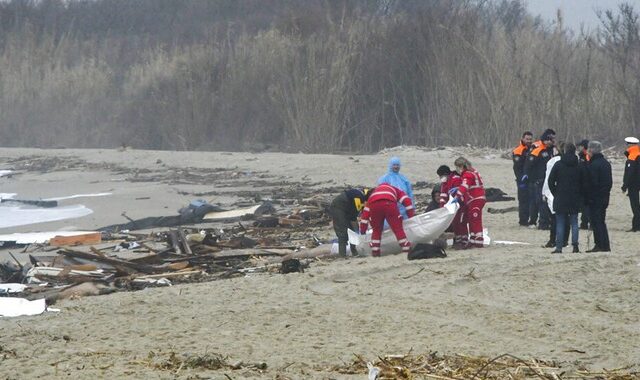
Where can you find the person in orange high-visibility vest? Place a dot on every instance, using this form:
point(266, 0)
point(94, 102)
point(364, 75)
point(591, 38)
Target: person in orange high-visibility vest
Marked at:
point(382, 205)
point(631, 180)
point(471, 196)
point(519, 157)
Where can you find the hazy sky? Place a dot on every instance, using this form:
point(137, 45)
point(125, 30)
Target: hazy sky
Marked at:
point(576, 12)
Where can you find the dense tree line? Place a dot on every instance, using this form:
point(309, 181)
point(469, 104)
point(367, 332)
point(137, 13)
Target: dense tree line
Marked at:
point(316, 76)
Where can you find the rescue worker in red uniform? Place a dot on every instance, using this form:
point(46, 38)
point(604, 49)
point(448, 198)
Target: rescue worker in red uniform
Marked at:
point(383, 205)
point(450, 182)
point(471, 196)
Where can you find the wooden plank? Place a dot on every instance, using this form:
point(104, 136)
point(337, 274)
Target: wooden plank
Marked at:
point(169, 274)
point(239, 213)
point(125, 266)
point(185, 243)
point(81, 239)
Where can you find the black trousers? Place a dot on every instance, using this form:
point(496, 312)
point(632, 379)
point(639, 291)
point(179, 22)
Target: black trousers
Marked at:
point(544, 214)
point(599, 225)
point(523, 205)
point(341, 223)
point(634, 201)
point(533, 204)
point(584, 217)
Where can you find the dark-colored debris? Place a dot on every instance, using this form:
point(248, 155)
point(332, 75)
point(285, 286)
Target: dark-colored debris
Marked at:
point(37, 203)
point(492, 210)
point(291, 266)
point(496, 195)
point(426, 251)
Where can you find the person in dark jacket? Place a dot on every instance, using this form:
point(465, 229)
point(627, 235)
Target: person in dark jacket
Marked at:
point(435, 199)
point(519, 157)
point(534, 173)
point(631, 180)
point(584, 158)
point(600, 181)
point(344, 211)
point(567, 183)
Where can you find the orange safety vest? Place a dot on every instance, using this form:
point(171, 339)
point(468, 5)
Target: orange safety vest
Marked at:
point(634, 152)
point(519, 150)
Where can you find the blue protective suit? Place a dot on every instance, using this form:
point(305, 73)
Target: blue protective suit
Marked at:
point(399, 181)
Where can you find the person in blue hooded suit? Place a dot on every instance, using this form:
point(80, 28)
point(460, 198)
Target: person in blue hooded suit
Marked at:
point(394, 178)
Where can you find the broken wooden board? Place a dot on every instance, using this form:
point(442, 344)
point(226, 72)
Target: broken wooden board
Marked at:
point(90, 238)
point(233, 214)
point(39, 237)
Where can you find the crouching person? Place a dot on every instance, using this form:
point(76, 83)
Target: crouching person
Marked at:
point(344, 212)
point(382, 204)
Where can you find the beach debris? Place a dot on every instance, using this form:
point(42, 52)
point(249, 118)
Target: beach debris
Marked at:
point(436, 366)
point(492, 210)
point(496, 195)
point(32, 202)
point(16, 307)
point(174, 362)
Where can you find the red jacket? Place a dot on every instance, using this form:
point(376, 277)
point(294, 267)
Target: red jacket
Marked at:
point(453, 180)
point(471, 188)
point(385, 192)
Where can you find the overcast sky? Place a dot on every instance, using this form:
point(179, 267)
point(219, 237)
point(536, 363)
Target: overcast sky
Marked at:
point(575, 12)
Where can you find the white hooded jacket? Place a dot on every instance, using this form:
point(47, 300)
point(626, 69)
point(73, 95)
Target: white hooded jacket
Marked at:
point(546, 191)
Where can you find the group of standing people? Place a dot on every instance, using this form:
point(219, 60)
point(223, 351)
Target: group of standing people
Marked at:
point(392, 201)
point(558, 181)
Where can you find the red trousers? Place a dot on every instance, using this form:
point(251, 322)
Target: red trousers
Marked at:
point(460, 229)
point(473, 219)
point(388, 210)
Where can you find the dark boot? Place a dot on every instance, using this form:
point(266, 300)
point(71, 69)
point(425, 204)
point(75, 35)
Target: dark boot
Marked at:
point(576, 249)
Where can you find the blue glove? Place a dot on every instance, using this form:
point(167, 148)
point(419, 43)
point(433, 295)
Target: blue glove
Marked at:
point(455, 200)
point(453, 190)
point(524, 178)
point(522, 185)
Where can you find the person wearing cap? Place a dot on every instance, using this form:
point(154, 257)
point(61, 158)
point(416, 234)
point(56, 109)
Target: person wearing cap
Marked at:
point(600, 181)
point(584, 158)
point(534, 173)
point(395, 179)
point(519, 156)
point(344, 212)
point(631, 180)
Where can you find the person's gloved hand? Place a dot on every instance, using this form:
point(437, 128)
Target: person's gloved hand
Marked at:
point(624, 189)
point(453, 190)
point(522, 185)
point(455, 200)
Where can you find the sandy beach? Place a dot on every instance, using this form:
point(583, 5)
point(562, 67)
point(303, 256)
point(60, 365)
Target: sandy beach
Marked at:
point(577, 309)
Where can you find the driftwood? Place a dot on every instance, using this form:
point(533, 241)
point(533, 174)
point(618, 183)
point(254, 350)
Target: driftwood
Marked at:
point(492, 210)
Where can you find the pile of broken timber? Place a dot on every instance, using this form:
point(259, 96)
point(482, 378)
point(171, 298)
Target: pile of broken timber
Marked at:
point(130, 261)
